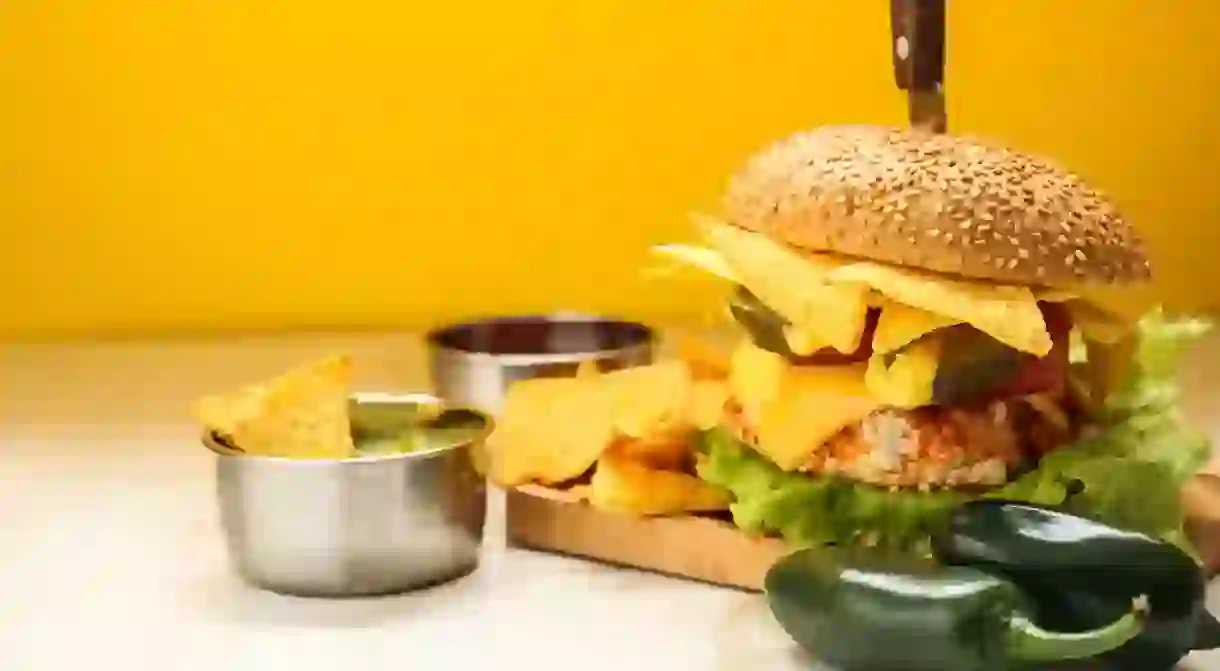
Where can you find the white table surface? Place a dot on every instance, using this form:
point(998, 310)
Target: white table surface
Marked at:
point(110, 552)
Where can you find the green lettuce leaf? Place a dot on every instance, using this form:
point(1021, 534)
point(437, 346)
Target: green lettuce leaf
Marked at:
point(1126, 471)
point(808, 510)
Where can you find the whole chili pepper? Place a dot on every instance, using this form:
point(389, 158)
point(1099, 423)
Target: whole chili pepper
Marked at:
point(1079, 573)
point(860, 610)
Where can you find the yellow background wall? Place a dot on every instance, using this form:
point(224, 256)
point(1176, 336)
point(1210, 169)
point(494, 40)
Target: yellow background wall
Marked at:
point(262, 163)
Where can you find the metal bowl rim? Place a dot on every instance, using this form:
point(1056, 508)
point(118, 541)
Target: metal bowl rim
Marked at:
point(415, 398)
point(648, 343)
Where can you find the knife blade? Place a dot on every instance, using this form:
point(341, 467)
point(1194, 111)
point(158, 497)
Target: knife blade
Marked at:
point(918, 49)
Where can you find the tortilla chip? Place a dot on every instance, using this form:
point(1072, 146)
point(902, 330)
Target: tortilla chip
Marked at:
point(1009, 314)
point(1052, 295)
point(707, 260)
point(550, 430)
point(798, 286)
point(900, 325)
point(647, 400)
point(300, 414)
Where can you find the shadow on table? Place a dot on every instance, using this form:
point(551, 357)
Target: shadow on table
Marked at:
point(224, 598)
point(748, 639)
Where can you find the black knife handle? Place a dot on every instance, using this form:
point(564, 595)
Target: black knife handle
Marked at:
point(918, 44)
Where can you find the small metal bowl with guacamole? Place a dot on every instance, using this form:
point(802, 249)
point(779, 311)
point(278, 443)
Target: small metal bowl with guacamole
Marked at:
point(406, 510)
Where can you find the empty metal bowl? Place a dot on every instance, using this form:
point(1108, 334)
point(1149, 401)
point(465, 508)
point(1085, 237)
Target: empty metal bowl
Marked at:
point(472, 364)
point(369, 524)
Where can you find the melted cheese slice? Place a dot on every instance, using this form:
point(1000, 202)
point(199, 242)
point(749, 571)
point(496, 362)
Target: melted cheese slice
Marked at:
point(795, 410)
point(904, 379)
point(755, 377)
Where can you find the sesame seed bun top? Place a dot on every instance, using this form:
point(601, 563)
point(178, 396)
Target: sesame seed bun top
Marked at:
point(937, 202)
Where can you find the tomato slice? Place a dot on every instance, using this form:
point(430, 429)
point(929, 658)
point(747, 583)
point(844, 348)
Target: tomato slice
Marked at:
point(1038, 374)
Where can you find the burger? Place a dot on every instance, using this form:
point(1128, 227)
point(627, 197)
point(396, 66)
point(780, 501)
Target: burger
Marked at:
point(920, 327)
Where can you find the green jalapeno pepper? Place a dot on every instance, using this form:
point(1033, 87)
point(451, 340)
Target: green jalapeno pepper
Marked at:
point(859, 610)
point(1079, 574)
point(764, 326)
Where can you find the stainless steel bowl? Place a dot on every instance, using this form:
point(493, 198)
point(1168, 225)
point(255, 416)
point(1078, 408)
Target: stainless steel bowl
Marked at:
point(473, 364)
point(359, 526)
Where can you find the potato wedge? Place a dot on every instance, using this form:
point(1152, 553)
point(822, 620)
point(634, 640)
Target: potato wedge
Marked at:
point(668, 451)
point(621, 485)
